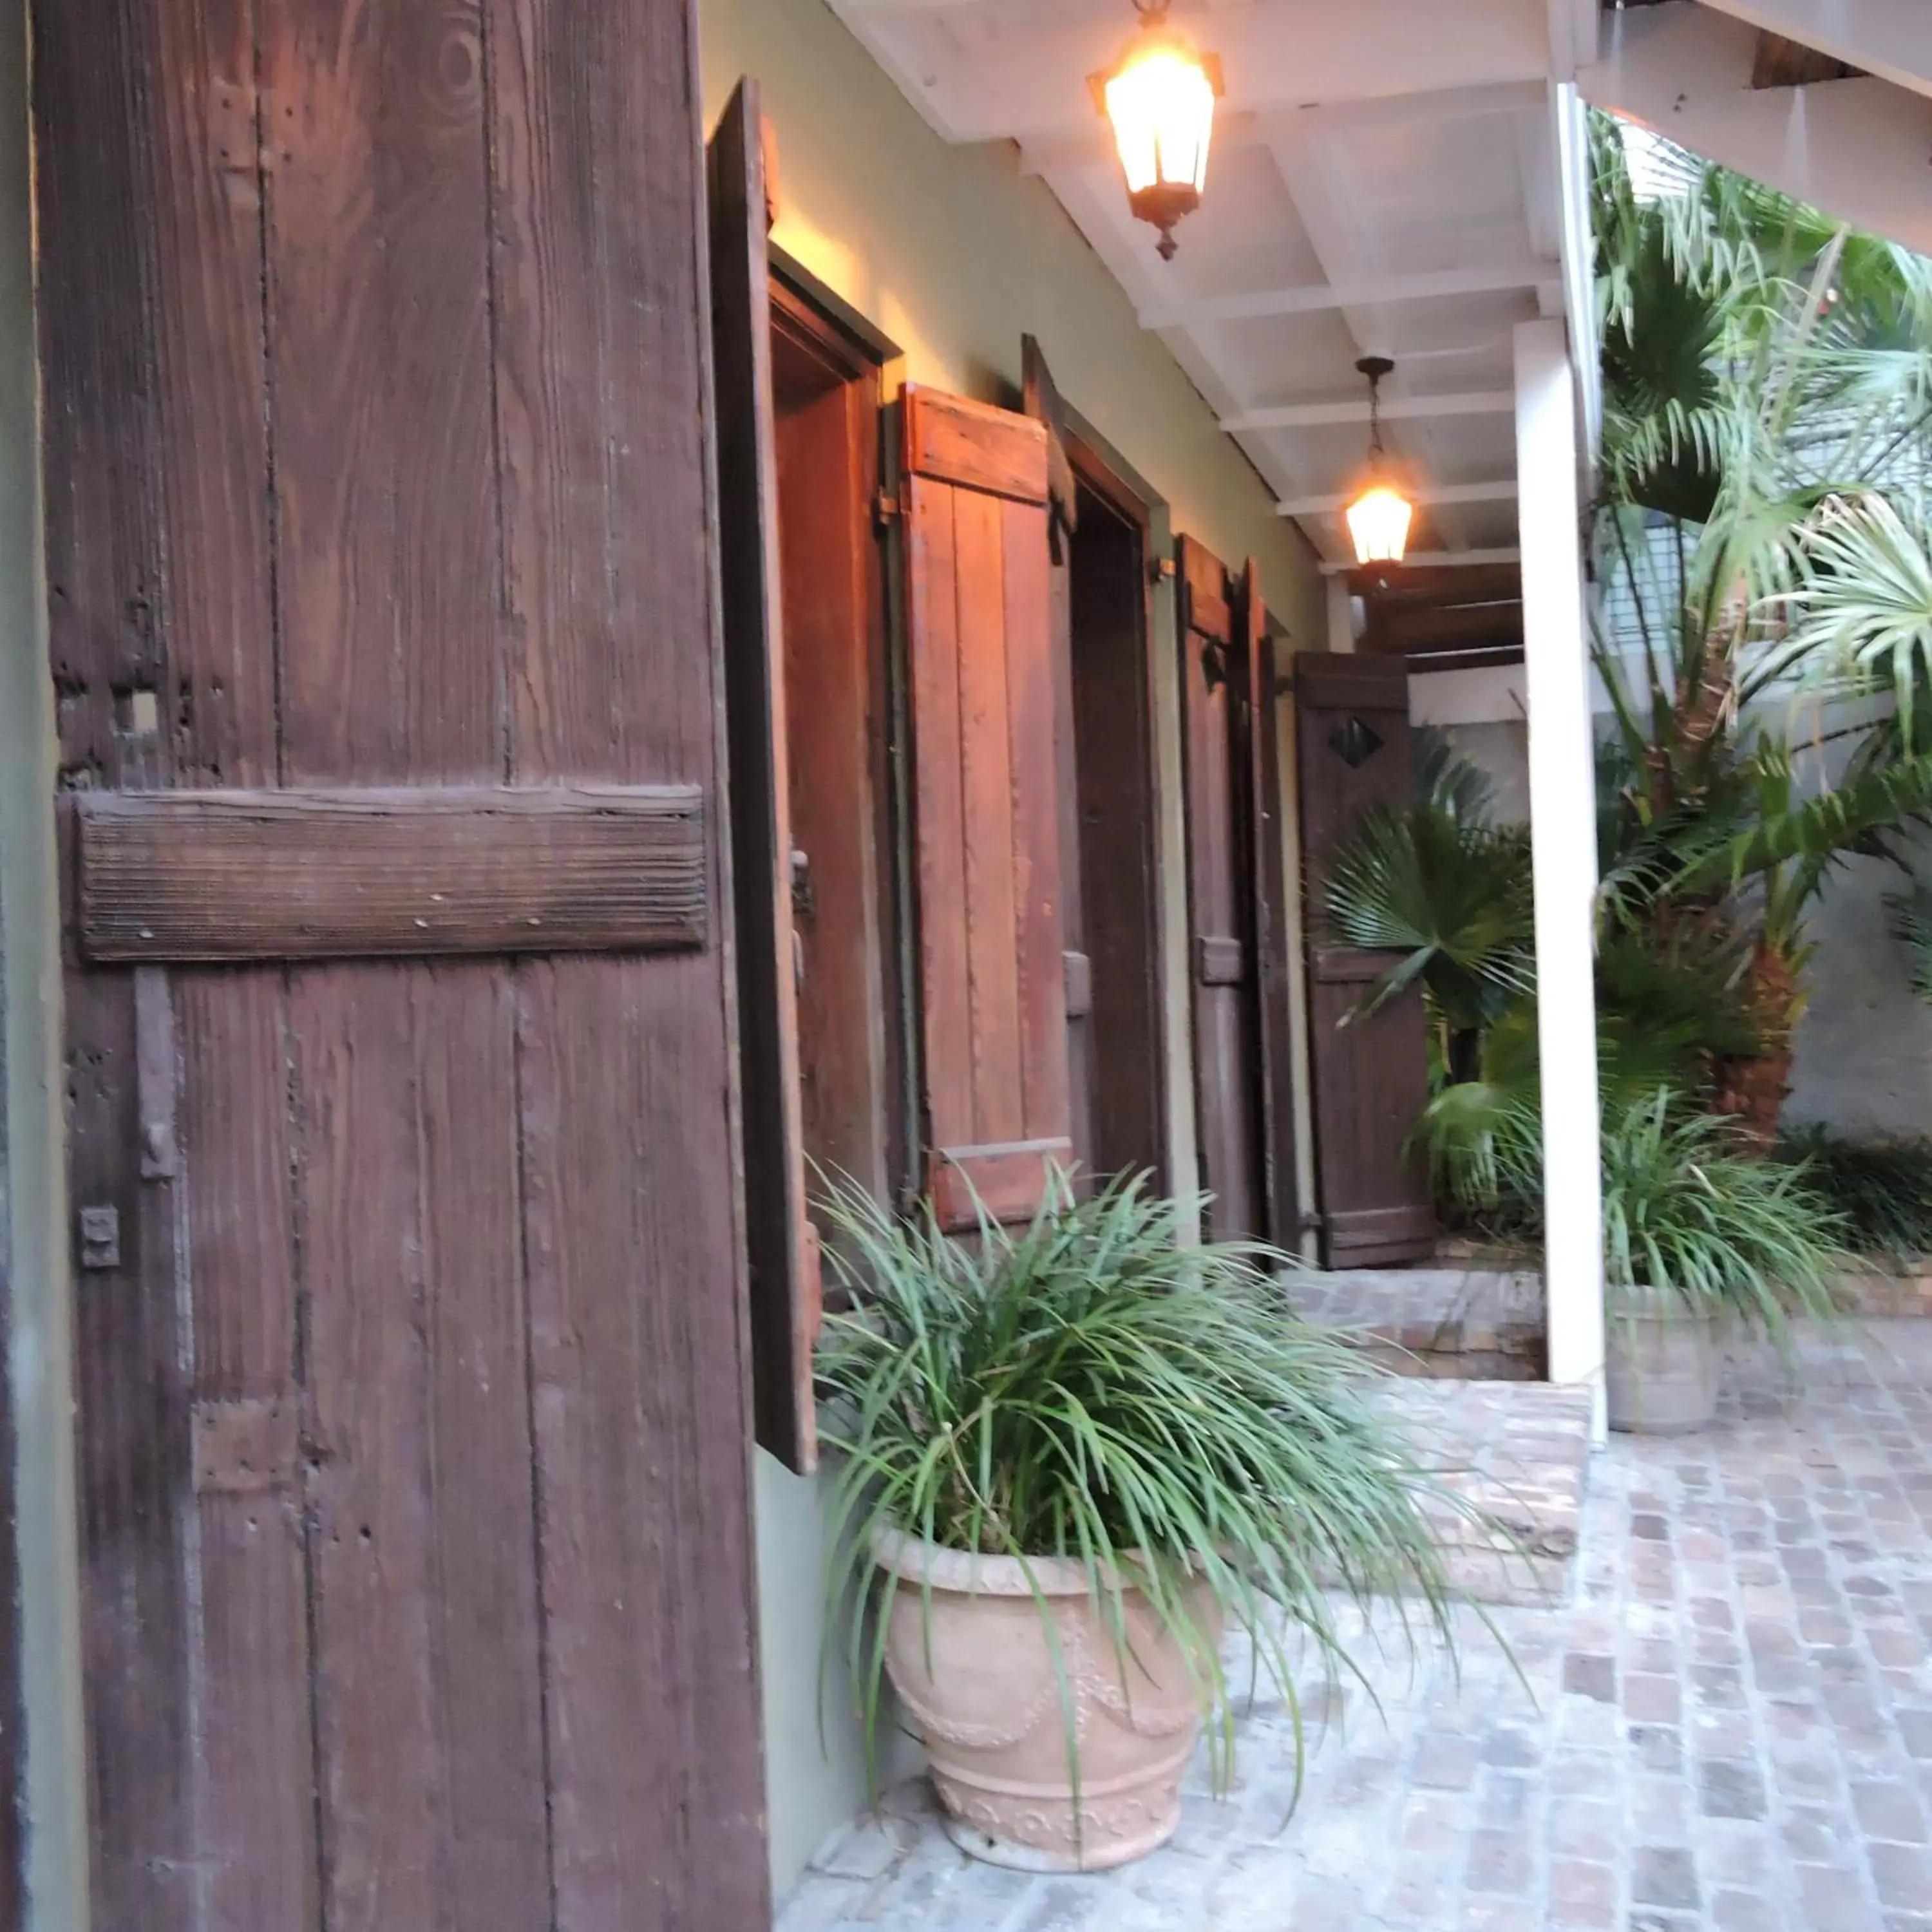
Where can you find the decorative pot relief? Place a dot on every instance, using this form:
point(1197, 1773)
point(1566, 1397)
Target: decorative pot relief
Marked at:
point(971, 1660)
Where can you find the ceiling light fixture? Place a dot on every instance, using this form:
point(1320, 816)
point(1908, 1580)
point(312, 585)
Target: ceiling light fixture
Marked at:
point(1159, 96)
point(1379, 517)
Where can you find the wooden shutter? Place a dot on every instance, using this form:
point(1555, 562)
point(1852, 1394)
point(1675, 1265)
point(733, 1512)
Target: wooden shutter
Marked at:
point(1280, 1194)
point(1371, 1075)
point(1220, 894)
point(781, 1244)
point(1042, 403)
point(993, 1034)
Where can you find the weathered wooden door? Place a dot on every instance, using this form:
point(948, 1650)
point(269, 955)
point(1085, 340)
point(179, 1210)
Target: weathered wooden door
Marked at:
point(1243, 1093)
point(1371, 1075)
point(1044, 405)
point(413, 1422)
point(993, 1037)
point(782, 1244)
point(1268, 853)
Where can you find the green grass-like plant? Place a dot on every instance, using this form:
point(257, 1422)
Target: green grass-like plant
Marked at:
point(1686, 1210)
point(1883, 1188)
point(1088, 1386)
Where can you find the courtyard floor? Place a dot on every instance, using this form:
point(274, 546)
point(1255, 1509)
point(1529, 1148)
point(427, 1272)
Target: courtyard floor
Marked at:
point(1727, 1725)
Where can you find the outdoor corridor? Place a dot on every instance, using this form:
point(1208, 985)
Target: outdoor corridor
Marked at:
point(1728, 1726)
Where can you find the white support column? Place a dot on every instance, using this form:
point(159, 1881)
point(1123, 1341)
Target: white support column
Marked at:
point(1341, 615)
point(1563, 824)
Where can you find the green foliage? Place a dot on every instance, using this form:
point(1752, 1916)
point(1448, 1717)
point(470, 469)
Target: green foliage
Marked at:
point(1449, 891)
point(1087, 1387)
point(1883, 1188)
point(1859, 617)
point(1912, 926)
point(1685, 1210)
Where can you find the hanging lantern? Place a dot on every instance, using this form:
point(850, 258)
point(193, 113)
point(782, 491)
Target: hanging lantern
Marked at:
point(1160, 97)
point(1379, 517)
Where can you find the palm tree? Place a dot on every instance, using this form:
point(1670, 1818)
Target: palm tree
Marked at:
point(1767, 425)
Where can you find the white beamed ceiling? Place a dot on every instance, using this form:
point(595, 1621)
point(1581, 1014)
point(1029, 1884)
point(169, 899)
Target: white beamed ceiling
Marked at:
point(1384, 181)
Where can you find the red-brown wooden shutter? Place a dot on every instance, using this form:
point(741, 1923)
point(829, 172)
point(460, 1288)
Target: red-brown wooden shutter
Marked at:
point(781, 1244)
point(1280, 1193)
point(1220, 895)
point(994, 1007)
point(1371, 1075)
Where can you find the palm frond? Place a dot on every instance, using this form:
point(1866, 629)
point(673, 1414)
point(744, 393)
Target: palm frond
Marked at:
point(1911, 915)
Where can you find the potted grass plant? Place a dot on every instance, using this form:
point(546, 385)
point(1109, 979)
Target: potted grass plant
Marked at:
point(1700, 1234)
point(1073, 1453)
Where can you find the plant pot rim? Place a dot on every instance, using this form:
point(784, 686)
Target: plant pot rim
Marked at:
point(1645, 1299)
point(915, 1560)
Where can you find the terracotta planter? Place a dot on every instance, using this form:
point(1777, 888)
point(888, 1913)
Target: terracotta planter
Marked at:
point(991, 1710)
point(1663, 1363)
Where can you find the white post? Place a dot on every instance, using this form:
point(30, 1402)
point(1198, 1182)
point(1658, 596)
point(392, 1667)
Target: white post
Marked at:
point(1563, 826)
point(1341, 614)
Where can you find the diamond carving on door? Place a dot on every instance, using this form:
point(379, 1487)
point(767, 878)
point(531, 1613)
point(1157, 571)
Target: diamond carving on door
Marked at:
point(1354, 742)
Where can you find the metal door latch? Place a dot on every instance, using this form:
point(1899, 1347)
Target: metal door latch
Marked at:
point(101, 1238)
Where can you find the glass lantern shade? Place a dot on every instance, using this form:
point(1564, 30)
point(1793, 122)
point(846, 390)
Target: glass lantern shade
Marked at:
point(1159, 100)
point(1378, 520)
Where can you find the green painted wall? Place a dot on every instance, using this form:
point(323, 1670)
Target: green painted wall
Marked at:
point(33, 1184)
point(956, 255)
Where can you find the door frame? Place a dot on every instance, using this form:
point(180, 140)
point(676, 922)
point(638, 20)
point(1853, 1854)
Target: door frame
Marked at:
point(1104, 470)
point(855, 353)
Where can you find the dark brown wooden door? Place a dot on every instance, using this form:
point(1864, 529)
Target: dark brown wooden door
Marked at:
point(1216, 741)
point(781, 1242)
point(1266, 844)
point(1371, 1075)
point(412, 1419)
point(1044, 405)
point(993, 1037)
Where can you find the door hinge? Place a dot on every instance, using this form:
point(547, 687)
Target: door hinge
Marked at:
point(885, 507)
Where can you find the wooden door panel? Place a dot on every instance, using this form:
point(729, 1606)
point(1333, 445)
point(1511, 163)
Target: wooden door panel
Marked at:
point(1280, 1188)
point(781, 1249)
point(415, 1513)
point(1220, 888)
point(994, 1029)
point(1371, 1080)
point(425, 1604)
point(1043, 404)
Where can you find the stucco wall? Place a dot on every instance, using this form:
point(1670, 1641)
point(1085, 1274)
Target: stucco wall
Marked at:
point(50, 1775)
point(954, 255)
point(1864, 1064)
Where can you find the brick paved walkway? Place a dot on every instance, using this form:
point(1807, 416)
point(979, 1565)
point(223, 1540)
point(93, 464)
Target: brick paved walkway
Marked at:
point(1728, 1726)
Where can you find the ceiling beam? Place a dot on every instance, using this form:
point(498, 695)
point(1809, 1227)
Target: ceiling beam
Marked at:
point(1436, 559)
point(1574, 28)
point(1891, 40)
point(1500, 491)
point(1367, 293)
point(1355, 410)
point(1092, 145)
point(1857, 148)
point(1369, 50)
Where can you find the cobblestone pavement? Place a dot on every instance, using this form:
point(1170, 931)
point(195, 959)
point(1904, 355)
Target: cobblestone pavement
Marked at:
point(1728, 1726)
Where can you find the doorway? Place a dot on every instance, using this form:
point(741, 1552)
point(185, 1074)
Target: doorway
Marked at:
point(1110, 814)
point(826, 396)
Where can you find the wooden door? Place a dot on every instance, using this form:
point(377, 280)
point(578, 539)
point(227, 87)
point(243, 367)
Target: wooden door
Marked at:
point(1371, 1075)
point(993, 1034)
point(1221, 873)
point(1043, 404)
point(411, 1411)
point(782, 1244)
point(1281, 1191)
